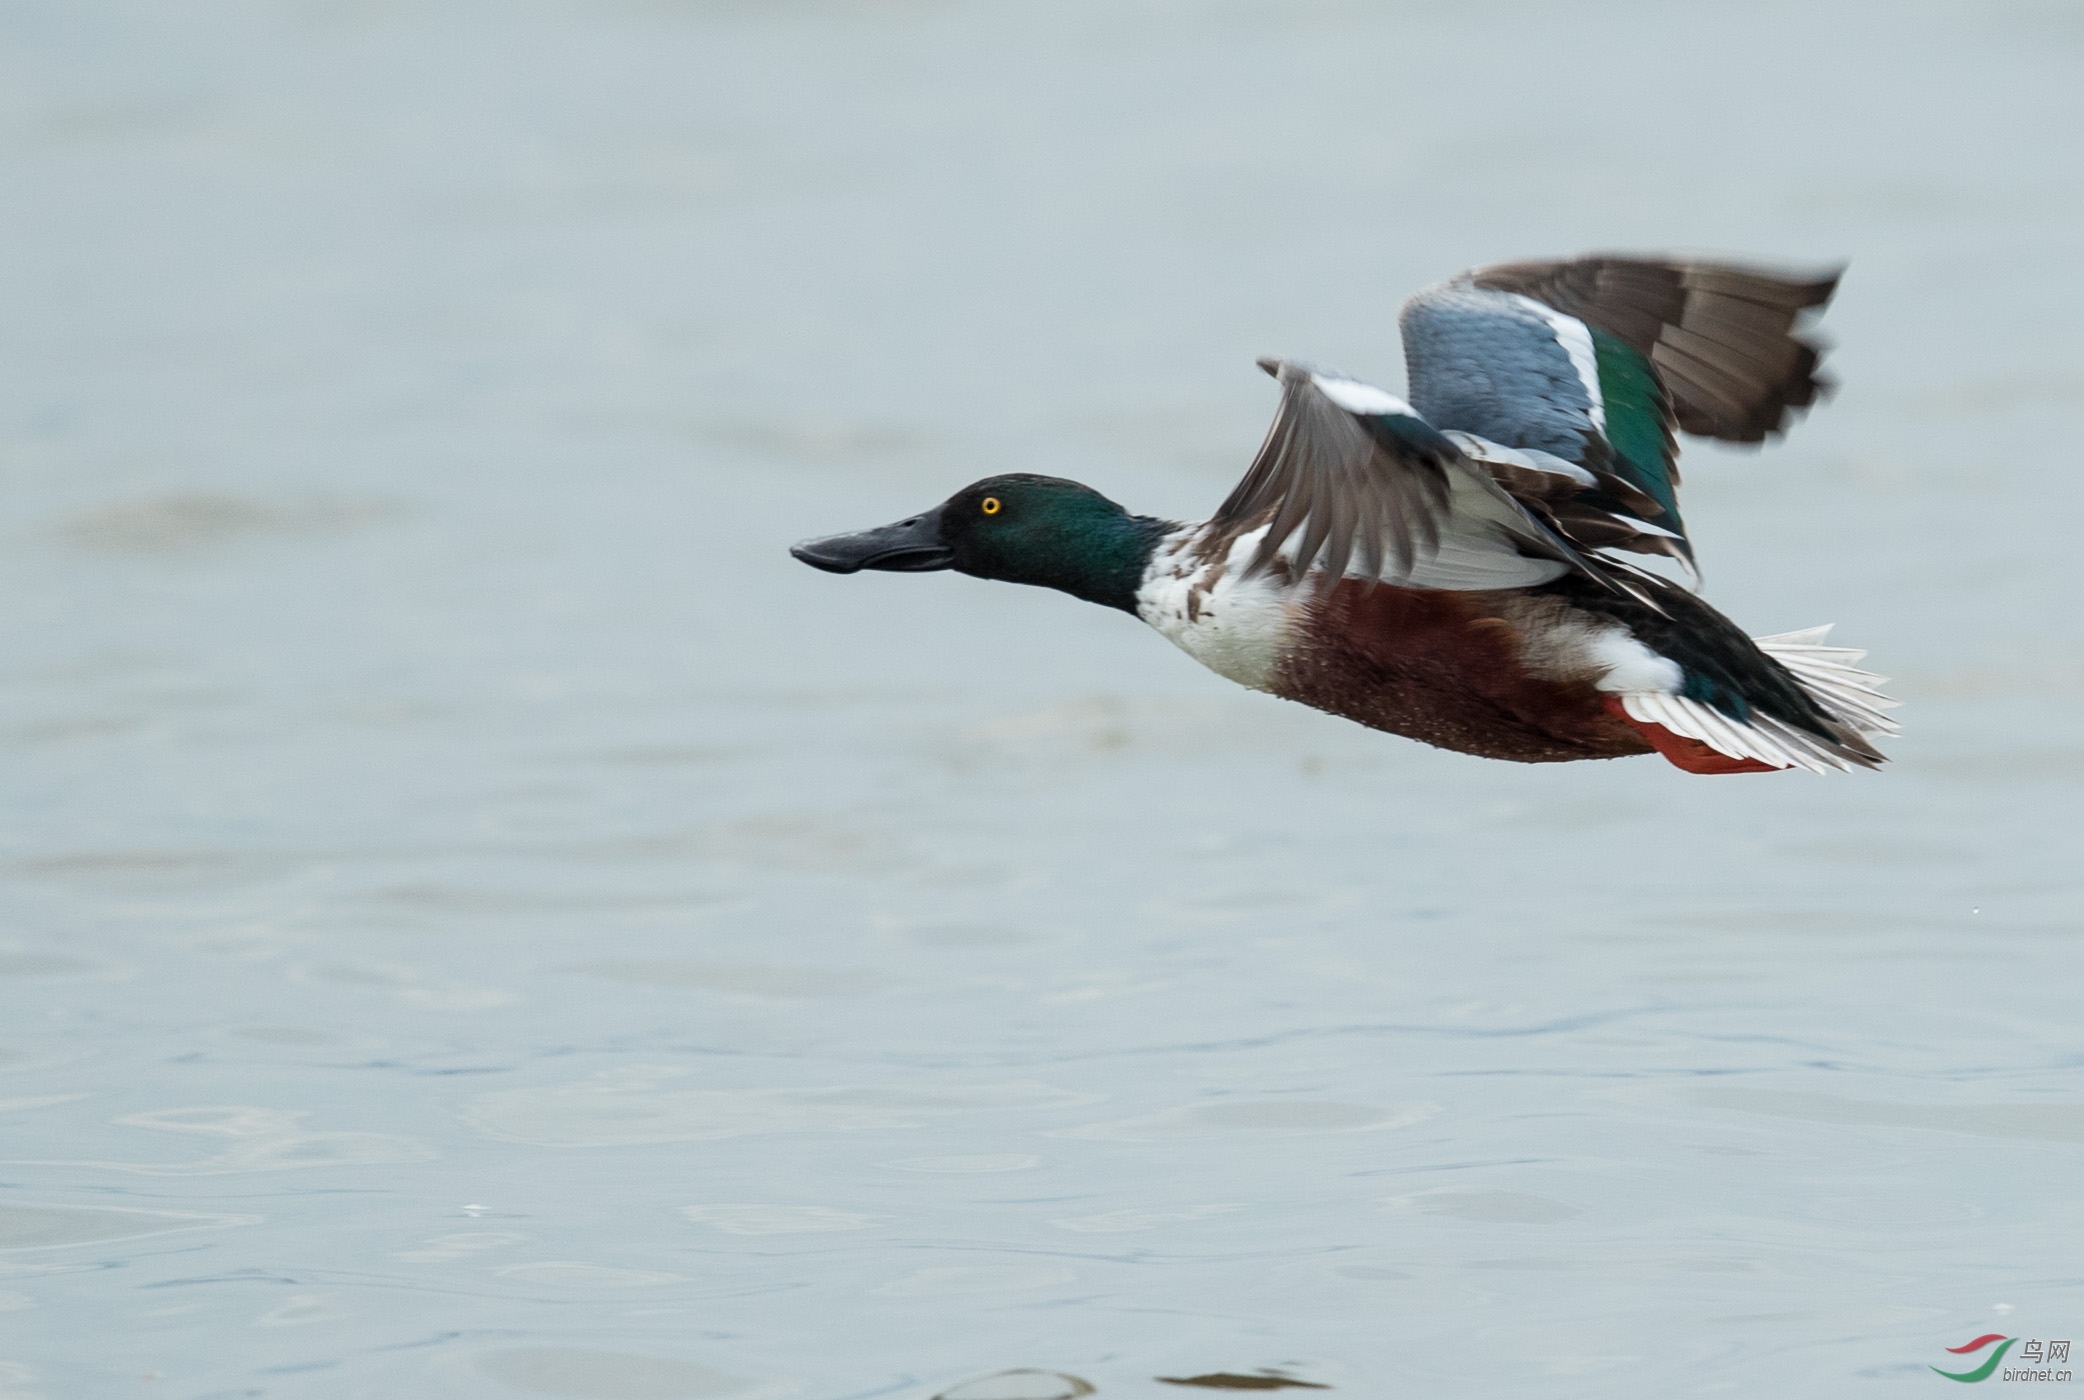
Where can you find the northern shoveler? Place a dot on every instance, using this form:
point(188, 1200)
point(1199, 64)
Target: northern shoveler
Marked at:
point(1450, 569)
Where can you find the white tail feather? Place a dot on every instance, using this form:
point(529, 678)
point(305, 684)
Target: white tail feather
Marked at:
point(1851, 696)
point(1762, 737)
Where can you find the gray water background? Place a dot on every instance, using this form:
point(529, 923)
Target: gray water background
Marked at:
point(480, 920)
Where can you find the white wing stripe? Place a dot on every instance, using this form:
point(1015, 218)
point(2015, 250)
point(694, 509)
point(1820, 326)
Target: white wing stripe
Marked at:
point(1531, 459)
point(1357, 397)
point(1646, 527)
point(1576, 339)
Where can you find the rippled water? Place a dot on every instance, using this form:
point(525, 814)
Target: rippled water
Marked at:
point(481, 921)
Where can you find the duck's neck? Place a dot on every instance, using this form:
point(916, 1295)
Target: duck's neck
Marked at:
point(1102, 558)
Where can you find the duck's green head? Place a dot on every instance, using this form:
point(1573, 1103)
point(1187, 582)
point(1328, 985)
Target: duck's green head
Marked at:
point(1019, 528)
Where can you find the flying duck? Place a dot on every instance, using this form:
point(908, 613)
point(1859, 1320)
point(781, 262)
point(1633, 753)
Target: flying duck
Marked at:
point(1455, 568)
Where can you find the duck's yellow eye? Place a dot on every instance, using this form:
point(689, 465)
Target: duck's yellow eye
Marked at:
point(991, 505)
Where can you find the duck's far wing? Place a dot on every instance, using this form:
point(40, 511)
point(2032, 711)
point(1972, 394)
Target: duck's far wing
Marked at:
point(1602, 360)
point(1367, 482)
point(1727, 342)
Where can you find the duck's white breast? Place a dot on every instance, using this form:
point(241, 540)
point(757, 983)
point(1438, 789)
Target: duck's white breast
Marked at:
point(1237, 627)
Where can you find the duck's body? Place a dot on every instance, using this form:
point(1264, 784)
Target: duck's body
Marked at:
point(1450, 575)
point(1534, 675)
point(1451, 668)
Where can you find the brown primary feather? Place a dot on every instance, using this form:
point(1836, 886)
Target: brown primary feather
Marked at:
point(1725, 340)
point(1375, 484)
point(1320, 471)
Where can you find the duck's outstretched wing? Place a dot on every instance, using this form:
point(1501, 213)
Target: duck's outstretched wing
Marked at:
point(1376, 490)
point(1600, 361)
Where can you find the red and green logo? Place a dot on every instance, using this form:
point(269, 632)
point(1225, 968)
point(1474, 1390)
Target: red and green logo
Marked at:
point(2038, 1359)
point(1982, 1372)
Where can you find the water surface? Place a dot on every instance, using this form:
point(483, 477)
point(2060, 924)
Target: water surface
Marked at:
point(481, 921)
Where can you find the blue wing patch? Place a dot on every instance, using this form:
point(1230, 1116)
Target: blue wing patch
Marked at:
point(1491, 363)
